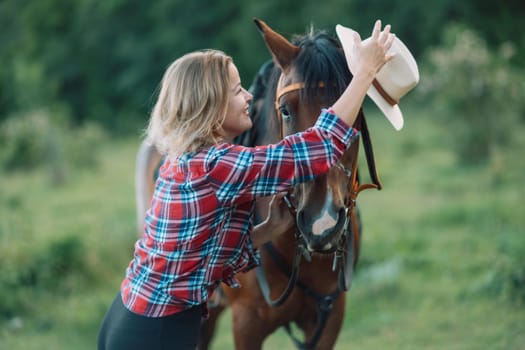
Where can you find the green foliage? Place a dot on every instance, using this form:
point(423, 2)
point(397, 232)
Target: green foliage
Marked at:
point(84, 145)
point(441, 250)
point(25, 140)
point(38, 139)
point(476, 92)
point(104, 60)
point(437, 257)
point(46, 266)
point(507, 278)
point(421, 24)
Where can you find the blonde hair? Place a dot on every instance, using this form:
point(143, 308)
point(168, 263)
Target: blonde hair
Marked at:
point(192, 103)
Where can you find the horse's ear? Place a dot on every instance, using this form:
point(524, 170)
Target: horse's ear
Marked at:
point(283, 51)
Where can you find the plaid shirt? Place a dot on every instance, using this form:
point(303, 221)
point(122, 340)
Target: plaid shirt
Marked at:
point(197, 230)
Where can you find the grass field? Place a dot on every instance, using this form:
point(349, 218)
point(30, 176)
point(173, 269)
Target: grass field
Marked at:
point(442, 267)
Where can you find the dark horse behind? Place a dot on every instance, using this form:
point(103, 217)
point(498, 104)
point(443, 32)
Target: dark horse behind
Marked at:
point(304, 273)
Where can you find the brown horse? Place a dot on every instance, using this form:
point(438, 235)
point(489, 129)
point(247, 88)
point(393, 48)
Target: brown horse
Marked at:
point(305, 273)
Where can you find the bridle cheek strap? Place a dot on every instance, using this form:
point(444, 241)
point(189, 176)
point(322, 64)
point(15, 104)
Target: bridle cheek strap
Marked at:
point(354, 186)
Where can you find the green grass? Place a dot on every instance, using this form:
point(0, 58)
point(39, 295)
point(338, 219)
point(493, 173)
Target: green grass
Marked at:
point(443, 245)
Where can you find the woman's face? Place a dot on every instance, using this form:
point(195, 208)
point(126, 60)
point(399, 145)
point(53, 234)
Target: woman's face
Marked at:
point(237, 118)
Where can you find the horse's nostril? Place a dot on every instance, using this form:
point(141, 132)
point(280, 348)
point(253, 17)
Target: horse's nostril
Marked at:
point(305, 223)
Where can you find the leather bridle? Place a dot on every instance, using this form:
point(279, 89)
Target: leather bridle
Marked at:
point(324, 302)
point(354, 186)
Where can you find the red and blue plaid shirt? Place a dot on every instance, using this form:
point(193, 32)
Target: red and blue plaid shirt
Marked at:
point(197, 230)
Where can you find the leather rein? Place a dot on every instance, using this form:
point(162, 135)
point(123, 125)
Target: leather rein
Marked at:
point(324, 302)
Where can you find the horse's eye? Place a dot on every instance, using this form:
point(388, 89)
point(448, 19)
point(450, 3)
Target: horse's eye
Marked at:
point(285, 113)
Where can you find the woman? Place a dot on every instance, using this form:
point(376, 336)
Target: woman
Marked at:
point(198, 231)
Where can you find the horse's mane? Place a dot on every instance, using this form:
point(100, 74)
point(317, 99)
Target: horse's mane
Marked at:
point(262, 80)
point(321, 59)
point(262, 88)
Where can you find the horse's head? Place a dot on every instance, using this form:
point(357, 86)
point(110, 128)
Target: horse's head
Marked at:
point(310, 73)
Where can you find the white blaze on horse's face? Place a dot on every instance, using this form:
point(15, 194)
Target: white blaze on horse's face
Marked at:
point(320, 225)
point(325, 221)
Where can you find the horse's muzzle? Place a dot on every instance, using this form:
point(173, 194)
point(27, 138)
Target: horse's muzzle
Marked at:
point(328, 241)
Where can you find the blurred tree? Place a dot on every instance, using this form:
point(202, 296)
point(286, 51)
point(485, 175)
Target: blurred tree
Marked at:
point(103, 60)
point(9, 35)
point(477, 93)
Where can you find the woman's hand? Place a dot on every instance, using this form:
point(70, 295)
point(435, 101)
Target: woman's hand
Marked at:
point(279, 216)
point(278, 221)
point(365, 59)
point(371, 54)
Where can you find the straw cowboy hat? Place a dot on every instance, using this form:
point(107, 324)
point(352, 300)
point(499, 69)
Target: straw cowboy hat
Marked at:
point(395, 79)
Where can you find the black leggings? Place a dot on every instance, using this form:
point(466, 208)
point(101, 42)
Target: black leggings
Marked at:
point(122, 329)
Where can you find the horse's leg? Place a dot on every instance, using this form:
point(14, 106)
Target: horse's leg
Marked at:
point(216, 306)
point(208, 327)
point(332, 327)
point(249, 330)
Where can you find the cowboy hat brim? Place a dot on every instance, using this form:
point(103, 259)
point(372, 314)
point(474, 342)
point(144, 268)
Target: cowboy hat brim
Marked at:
point(392, 113)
